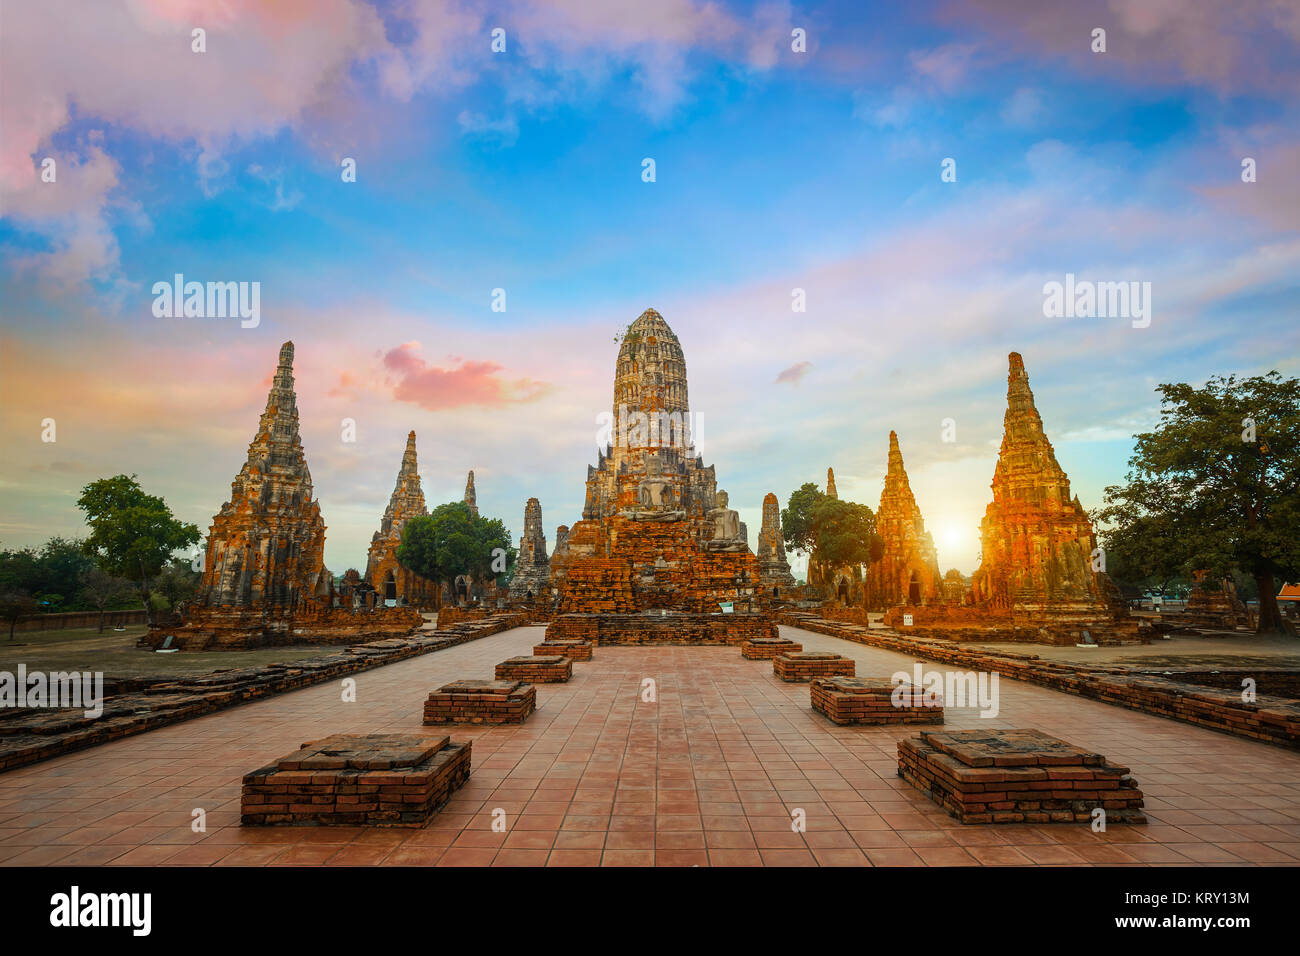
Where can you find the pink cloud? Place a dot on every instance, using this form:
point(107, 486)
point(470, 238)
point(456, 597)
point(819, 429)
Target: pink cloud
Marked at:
point(465, 383)
point(1247, 45)
point(794, 374)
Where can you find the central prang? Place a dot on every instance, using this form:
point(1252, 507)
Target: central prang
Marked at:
point(656, 533)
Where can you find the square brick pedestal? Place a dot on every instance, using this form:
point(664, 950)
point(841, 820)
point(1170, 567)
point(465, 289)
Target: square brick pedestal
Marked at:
point(481, 702)
point(573, 650)
point(397, 780)
point(871, 700)
point(766, 648)
point(1017, 776)
point(539, 669)
point(805, 665)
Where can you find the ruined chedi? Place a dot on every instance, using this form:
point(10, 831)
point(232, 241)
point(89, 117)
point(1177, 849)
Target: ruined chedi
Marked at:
point(266, 546)
point(384, 572)
point(908, 569)
point(264, 580)
point(471, 496)
point(656, 532)
point(532, 577)
point(1037, 541)
point(774, 568)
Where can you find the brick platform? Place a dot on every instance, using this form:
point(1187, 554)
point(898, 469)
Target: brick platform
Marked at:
point(766, 648)
point(650, 628)
point(805, 665)
point(1272, 716)
point(1017, 776)
point(539, 669)
point(872, 700)
point(573, 650)
point(481, 702)
point(392, 780)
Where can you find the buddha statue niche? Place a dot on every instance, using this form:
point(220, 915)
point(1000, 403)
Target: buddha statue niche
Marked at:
point(726, 526)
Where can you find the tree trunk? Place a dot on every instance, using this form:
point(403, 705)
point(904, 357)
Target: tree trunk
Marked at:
point(13, 623)
point(101, 620)
point(1270, 617)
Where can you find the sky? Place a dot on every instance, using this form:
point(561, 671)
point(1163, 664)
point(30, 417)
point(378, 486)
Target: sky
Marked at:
point(919, 171)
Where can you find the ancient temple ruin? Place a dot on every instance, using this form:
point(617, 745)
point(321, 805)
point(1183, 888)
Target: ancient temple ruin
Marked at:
point(471, 496)
point(264, 579)
point(773, 566)
point(532, 577)
point(384, 573)
point(907, 571)
point(1038, 558)
point(656, 532)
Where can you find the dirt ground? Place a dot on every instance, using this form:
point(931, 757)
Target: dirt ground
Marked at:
point(115, 655)
point(1240, 649)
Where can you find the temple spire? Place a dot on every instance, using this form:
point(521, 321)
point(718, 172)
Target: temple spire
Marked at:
point(471, 496)
point(830, 484)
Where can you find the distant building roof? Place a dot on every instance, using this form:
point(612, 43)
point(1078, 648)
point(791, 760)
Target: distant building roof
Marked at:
point(1289, 592)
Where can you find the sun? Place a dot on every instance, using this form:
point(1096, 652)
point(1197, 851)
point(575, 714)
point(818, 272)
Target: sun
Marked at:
point(952, 536)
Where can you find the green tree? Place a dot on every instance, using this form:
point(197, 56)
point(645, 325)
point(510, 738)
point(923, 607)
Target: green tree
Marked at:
point(1216, 486)
point(830, 531)
point(450, 542)
point(132, 534)
point(20, 571)
point(64, 565)
point(103, 590)
point(796, 518)
point(15, 605)
point(843, 532)
point(177, 583)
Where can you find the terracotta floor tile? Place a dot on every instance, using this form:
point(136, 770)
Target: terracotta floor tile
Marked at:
point(709, 775)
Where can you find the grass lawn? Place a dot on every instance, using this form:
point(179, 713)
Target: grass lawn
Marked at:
point(114, 653)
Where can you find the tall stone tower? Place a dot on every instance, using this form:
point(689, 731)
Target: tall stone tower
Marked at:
point(656, 533)
point(384, 573)
point(908, 570)
point(774, 567)
point(830, 484)
point(532, 577)
point(471, 496)
point(1037, 539)
point(266, 546)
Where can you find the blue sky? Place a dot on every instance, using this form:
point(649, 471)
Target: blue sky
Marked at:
point(775, 170)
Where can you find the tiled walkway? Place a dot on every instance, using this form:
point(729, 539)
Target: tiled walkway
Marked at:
point(709, 773)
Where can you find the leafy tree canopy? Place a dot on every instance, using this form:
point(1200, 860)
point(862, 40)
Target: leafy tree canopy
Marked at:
point(132, 534)
point(1215, 486)
point(830, 530)
point(452, 541)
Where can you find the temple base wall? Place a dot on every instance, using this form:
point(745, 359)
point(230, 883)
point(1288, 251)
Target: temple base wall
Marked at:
point(601, 629)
